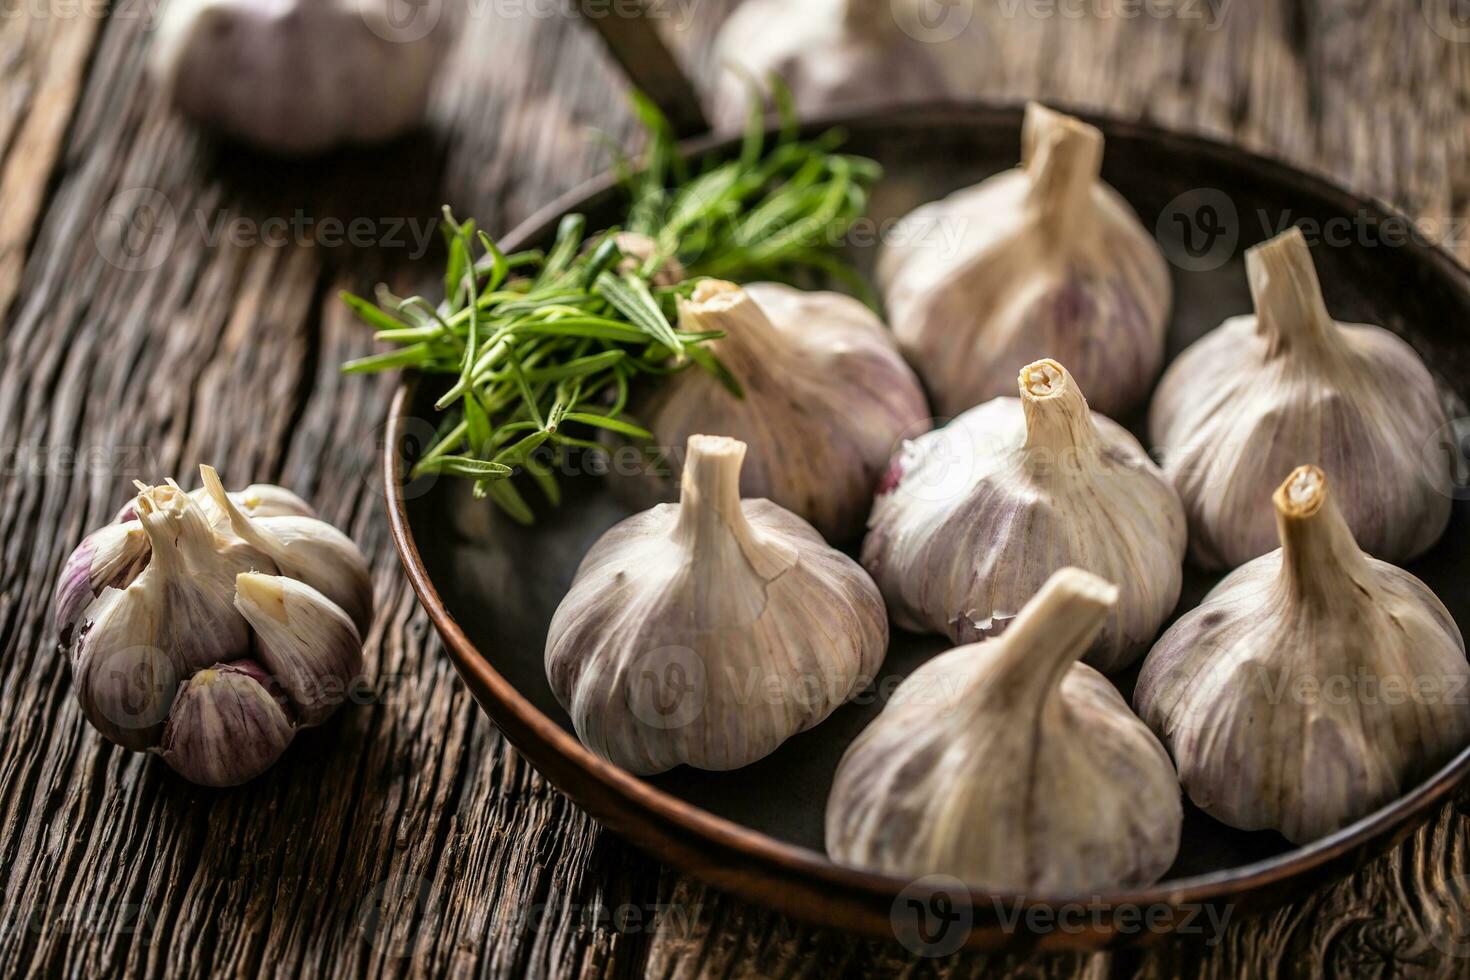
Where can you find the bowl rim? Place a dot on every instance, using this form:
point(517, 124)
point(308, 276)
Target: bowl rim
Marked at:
point(705, 844)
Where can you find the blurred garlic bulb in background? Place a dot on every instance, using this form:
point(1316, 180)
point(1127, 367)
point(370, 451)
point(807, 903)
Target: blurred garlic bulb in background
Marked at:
point(709, 631)
point(1012, 766)
point(1041, 261)
point(1313, 685)
point(832, 53)
point(827, 400)
point(973, 518)
point(1260, 394)
point(298, 76)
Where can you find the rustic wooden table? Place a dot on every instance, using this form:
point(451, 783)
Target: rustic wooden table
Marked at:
point(154, 317)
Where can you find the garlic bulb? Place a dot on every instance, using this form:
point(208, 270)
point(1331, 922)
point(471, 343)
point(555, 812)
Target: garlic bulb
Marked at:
point(1313, 685)
point(306, 549)
point(708, 632)
point(226, 727)
point(973, 518)
point(1043, 260)
point(297, 76)
point(843, 52)
point(827, 399)
point(1012, 766)
point(1242, 406)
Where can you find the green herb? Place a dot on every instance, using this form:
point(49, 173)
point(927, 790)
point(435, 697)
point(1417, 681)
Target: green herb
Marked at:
point(539, 344)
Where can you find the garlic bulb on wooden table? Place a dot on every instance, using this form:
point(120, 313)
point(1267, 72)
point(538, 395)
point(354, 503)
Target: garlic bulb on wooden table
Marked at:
point(1263, 393)
point(1011, 765)
point(1041, 261)
point(844, 52)
point(298, 76)
point(1313, 685)
point(827, 398)
point(191, 643)
point(976, 516)
point(709, 631)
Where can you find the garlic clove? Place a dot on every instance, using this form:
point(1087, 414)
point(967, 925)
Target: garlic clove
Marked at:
point(708, 632)
point(1260, 394)
point(305, 640)
point(306, 549)
point(1011, 765)
point(827, 398)
point(125, 672)
point(1313, 684)
point(110, 557)
point(975, 517)
point(1042, 260)
point(226, 727)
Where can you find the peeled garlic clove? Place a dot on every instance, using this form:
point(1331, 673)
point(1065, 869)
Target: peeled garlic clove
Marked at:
point(975, 517)
point(1012, 766)
point(304, 639)
point(1260, 394)
point(836, 52)
point(708, 632)
point(827, 398)
point(305, 549)
point(1313, 685)
point(110, 557)
point(1043, 260)
point(226, 727)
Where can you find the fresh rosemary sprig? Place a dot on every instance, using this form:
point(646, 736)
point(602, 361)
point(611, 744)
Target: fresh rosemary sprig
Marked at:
point(544, 349)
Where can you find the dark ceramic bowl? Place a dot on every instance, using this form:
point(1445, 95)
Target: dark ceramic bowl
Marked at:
point(491, 586)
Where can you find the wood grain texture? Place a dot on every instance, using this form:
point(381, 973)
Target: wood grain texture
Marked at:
point(146, 330)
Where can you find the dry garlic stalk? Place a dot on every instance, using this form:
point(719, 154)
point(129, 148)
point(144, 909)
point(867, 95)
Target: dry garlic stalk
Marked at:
point(1043, 260)
point(843, 52)
point(976, 516)
point(1313, 685)
point(708, 632)
point(1012, 766)
point(827, 399)
point(1238, 409)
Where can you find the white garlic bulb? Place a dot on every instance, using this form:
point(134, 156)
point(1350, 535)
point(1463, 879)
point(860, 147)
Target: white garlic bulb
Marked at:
point(708, 632)
point(1012, 766)
point(298, 76)
point(1260, 394)
point(1042, 261)
point(1313, 685)
point(844, 52)
point(973, 518)
point(827, 398)
point(226, 727)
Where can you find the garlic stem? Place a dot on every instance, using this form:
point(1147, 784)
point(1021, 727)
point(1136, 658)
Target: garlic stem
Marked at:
point(1063, 156)
point(1287, 295)
point(1051, 633)
point(1057, 417)
point(750, 336)
point(1319, 556)
point(710, 513)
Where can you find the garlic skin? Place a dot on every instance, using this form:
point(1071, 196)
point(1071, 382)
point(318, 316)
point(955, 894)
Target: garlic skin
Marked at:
point(827, 400)
point(296, 76)
point(707, 632)
point(304, 639)
point(1313, 685)
point(1260, 394)
point(226, 727)
point(303, 548)
point(839, 52)
point(1012, 766)
point(1044, 260)
point(975, 517)
point(256, 500)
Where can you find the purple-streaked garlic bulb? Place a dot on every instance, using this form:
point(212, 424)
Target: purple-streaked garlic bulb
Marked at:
point(1044, 260)
point(827, 399)
point(1313, 685)
point(706, 633)
point(975, 517)
point(1012, 766)
point(833, 53)
point(1262, 393)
